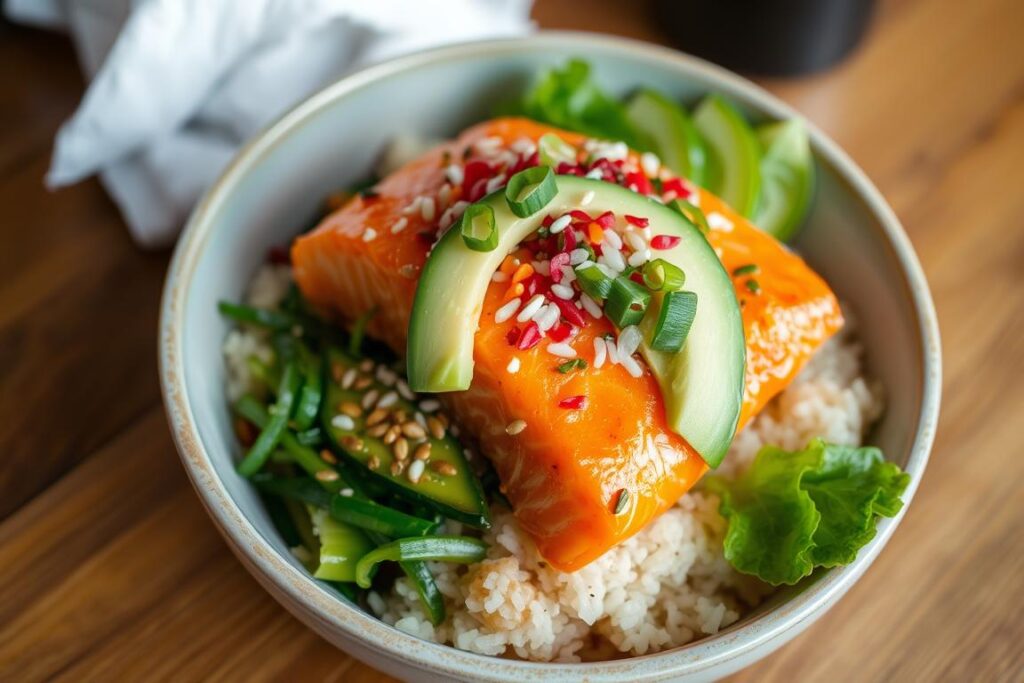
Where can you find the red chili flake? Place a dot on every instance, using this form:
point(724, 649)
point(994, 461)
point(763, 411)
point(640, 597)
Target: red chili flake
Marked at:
point(580, 215)
point(513, 336)
point(568, 239)
point(530, 337)
point(665, 241)
point(548, 220)
point(569, 311)
point(558, 261)
point(524, 162)
point(637, 221)
point(533, 284)
point(279, 256)
point(675, 185)
point(637, 277)
point(560, 332)
point(573, 403)
point(643, 185)
point(606, 219)
point(478, 191)
point(474, 172)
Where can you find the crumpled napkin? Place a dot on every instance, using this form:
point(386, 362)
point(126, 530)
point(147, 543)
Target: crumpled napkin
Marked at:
point(177, 85)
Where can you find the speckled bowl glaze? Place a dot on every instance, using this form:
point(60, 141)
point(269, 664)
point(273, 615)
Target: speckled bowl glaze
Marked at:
point(277, 184)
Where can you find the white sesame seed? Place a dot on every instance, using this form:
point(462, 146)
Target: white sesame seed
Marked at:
point(595, 174)
point(513, 365)
point(341, 421)
point(560, 224)
point(562, 291)
point(428, 209)
point(404, 391)
point(562, 350)
point(613, 259)
point(547, 318)
point(578, 256)
point(430, 405)
point(636, 240)
point(590, 306)
point(413, 207)
point(444, 195)
point(647, 232)
point(632, 367)
point(455, 174)
point(524, 146)
point(415, 471)
point(369, 398)
point(387, 400)
point(376, 603)
point(346, 493)
point(613, 352)
point(369, 234)
point(515, 427)
point(507, 310)
point(613, 239)
point(650, 164)
point(629, 340)
point(421, 419)
point(600, 352)
point(348, 378)
point(385, 375)
point(459, 207)
point(399, 225)
point(530, 308)
point(638, 258)
point(587, 197)
point(719, 222)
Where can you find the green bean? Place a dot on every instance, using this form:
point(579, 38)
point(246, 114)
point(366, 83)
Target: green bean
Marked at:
point(274, 320)
point(422, 580)
point(460, 549)
point(371, 516)
point(276, 425)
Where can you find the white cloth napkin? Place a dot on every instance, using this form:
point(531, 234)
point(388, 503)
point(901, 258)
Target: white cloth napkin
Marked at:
point(177, 85)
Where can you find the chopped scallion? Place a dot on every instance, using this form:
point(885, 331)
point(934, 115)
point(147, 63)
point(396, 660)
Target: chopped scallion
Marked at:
point(570, 365)
point(530, 190)
point(675, 317)
point(660, 275)
point(478, 228)
point(753, 286)
point(691, 213)
point(594, 282)
point(553, 150)
point(627, 302)
point(460, 549)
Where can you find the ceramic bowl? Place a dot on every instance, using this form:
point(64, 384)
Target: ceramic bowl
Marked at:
point(277, 184)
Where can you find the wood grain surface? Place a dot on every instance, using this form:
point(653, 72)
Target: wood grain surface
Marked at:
point(110, 569)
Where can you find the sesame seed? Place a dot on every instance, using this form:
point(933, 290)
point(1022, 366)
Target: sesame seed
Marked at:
point(596, 174)
point(414, 430)
point(560, 224)
point(562, 350)
point(578, 257)
point(348, 378)
point(445, 469)
point(513, 366)
point(638, 258)
point(415, 471)
point(587, 197)
point(404, 391)
point(430, 405)
point(428, 209)
point(444, 194)
point(369, 234)
point(455, 174)
point(562, 291)
point(391, 435)
point(531, 307)
point(400, 225)
point(413, 207)
point(600, 352)
point(369, 398)
point(352, 443)
point(343, 422)
point(350, 409)
point(373, 463)
point(636, 240)
point(376, 417)
point(386, 375)
point(401, 449)
point(366, 365)
point(613, 258)
point(328, 457)
point(507, 311)
point(387, 400)
point(613, 239)
point(629, 340)
point(421, 419)
point(632, 366)
point(591, 306)
point(346, 493)
point(362, 383)
point(650, 164)
point(515, 427)
point(436, 427)
point(548, 317)
point(495, 182)
point(397, 467)
point(422, 451)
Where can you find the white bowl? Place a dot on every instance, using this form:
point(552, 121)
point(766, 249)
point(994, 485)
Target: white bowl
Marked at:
point(277, 184)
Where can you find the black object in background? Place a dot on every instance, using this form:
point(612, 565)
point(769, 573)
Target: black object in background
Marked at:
point(766, 37)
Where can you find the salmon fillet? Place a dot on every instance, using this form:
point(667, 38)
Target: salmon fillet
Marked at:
point(564, 472)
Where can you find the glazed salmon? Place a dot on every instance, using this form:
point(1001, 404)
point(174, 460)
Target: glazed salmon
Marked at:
point(566, 470)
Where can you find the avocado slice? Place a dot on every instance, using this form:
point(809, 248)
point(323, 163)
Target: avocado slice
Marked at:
point(734, 154)
point(456, 494)
point(671, 133)
point(787, 174)
point(702, 385)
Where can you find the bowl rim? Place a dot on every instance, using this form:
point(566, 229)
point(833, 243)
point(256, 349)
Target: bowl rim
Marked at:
point(319, 607)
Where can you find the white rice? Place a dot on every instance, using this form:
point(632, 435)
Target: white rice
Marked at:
point(664, 587)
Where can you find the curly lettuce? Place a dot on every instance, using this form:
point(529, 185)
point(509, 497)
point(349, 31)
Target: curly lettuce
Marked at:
point(794, 511)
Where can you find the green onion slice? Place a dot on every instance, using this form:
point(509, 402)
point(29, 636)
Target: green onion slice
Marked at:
point(277, 423)
point(570, 365)
point(592, 281)
point(478, 228)
point(747, 269)
point(678, 310)
point(460, 549)
point(355, 342)
point(660, 275)
point(530, 190)
point(553, 150)
point(691, 213)
point(627, 302)
point(753, 286)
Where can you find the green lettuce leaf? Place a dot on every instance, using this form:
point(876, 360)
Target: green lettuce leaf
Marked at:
point(566, 97)
point(794, 511)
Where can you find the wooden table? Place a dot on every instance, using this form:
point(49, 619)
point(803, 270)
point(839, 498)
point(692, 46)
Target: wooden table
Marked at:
point(109, 568)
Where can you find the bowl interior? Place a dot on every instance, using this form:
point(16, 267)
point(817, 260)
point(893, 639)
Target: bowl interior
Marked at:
point(278, 185)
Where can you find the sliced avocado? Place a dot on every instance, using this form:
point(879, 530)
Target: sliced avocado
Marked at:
point(734, 155)
point(787, 175)
point(672, 135)
point(455, 494)
point(341, 546)
point(702, 385)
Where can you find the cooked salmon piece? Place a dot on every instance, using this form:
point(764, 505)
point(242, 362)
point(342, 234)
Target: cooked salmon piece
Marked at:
point(565, 470)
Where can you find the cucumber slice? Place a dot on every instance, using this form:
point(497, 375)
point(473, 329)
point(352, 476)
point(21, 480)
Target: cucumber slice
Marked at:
point(456, 495)
point(734, 154)
point(341, 547)
point(673, 136)
point(787, 174)
point(702, 384)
